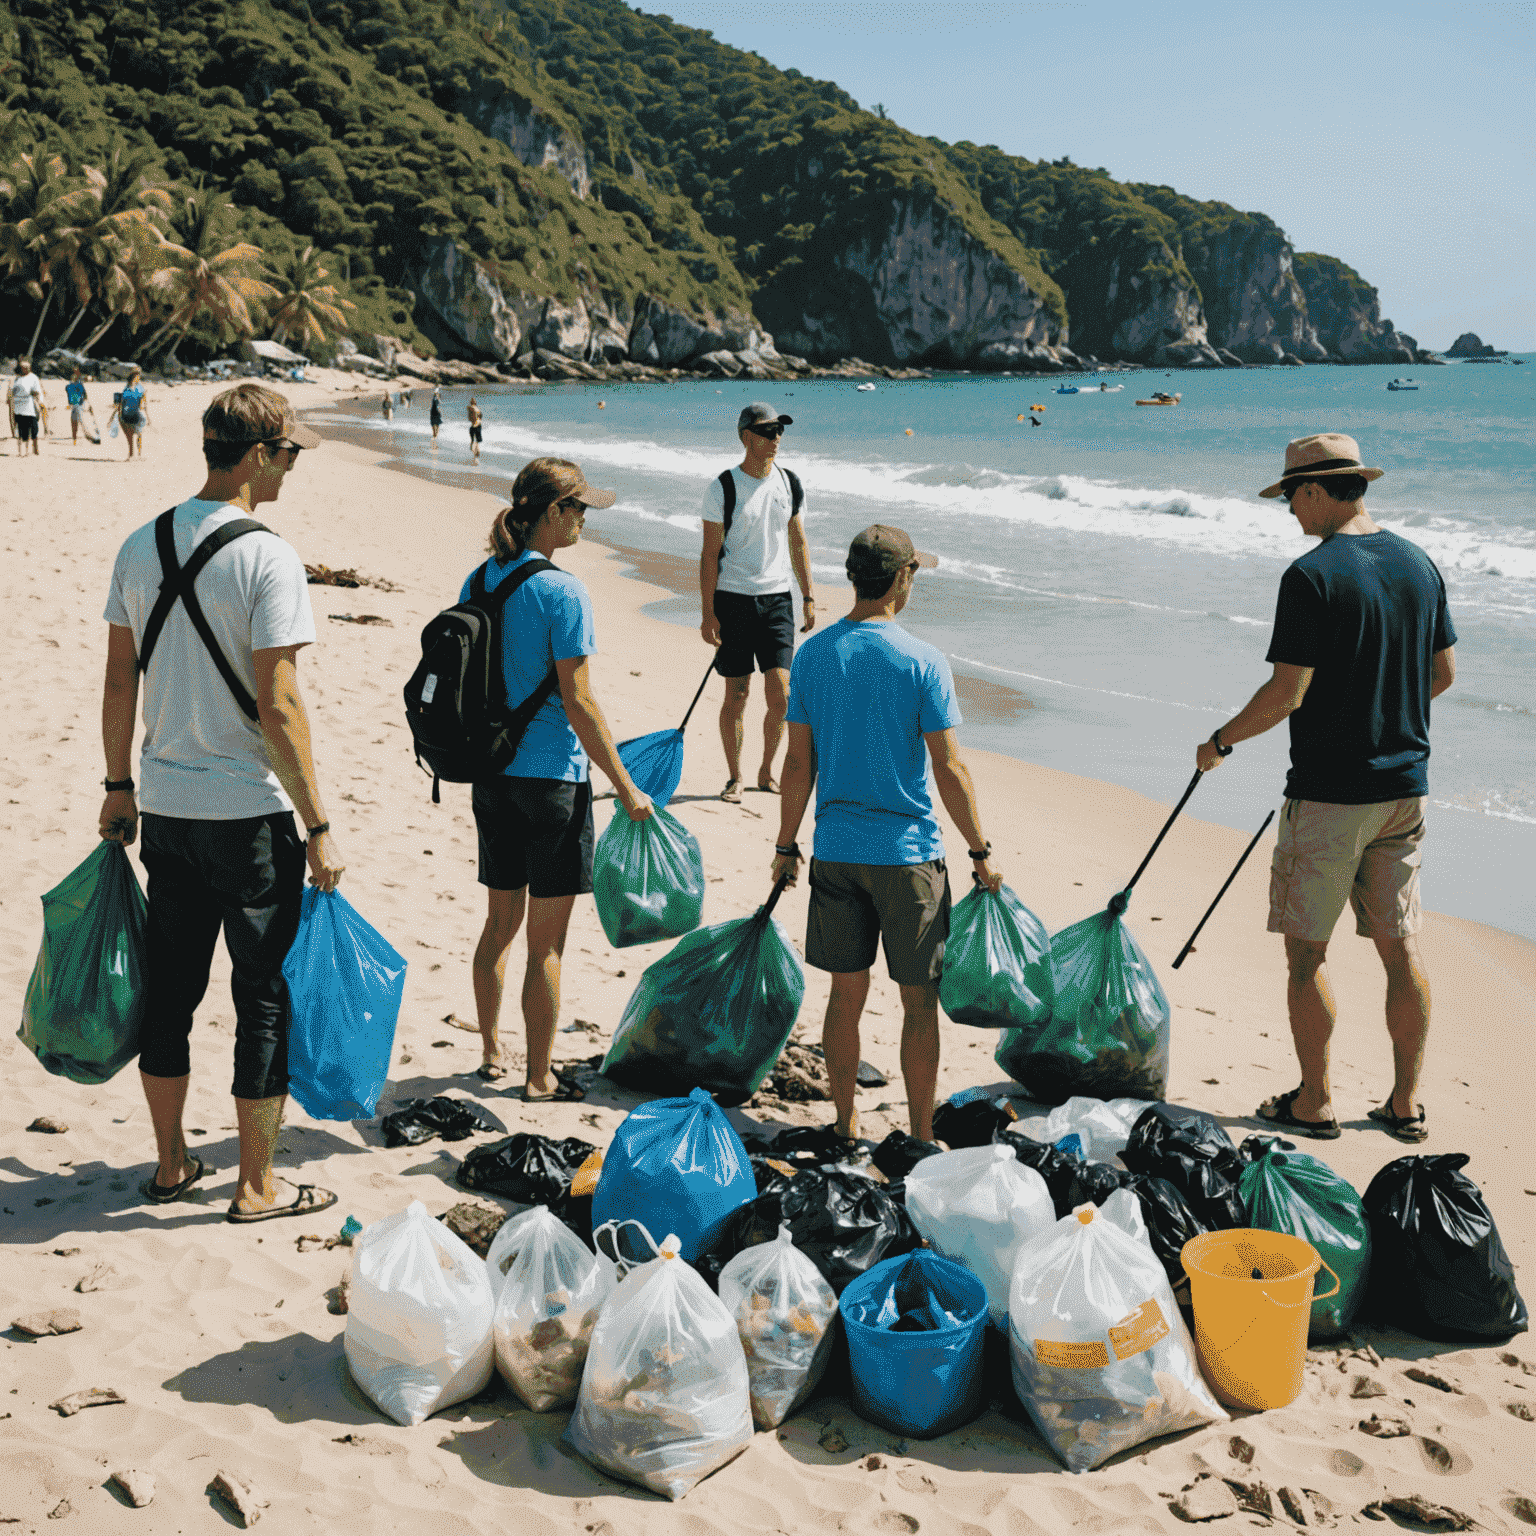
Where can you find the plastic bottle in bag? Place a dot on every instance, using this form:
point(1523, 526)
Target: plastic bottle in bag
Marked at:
point(549, 1288)
point(664, 1400)
point(647, 879)
point(1101, 1357)
point(419, 1316)
point(980, 1207)
point(785, 1313)
point(997, 963)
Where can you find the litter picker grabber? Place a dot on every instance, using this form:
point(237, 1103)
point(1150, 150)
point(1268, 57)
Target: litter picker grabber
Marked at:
point(655, 762)
point(1189, 947)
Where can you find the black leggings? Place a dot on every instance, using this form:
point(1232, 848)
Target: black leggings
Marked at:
point(248, 877)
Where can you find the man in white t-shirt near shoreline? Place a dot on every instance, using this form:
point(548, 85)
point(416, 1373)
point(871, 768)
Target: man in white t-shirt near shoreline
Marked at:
point(26, 406)
point(225, 763)
point(744, 575)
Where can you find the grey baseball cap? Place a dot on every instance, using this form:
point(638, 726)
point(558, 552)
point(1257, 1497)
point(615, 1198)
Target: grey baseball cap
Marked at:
point(760, 414)
point(882, 551)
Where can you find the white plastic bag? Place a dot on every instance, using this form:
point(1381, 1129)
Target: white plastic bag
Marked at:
point(664, 1399)
point(419, 1316)
point(784, 1312)
point(1103, 1125)
point(1101, 1357)
point(980, 1207)
point(549, 1288)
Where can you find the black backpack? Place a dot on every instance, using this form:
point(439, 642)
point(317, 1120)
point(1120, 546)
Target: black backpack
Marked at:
point(456, 700)
point(176, 581)
point(728, 489)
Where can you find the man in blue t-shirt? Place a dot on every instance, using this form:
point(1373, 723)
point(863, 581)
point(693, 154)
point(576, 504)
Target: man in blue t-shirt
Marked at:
point(869, 705)
point(1362, 642)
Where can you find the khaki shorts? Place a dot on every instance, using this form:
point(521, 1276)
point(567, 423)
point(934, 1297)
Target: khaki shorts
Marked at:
point(1366, 855)
point(856, 907)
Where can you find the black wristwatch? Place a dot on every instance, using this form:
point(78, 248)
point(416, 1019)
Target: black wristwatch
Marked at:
point(787, 850)
point(1222, 750)
point(114, 785)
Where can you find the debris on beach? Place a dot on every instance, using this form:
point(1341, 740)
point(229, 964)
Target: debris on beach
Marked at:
point(325, 576)
point(239, 1495)
point(1429, 1379)
point(1207, 1498)
point(362, 618)
point(800, 1077)
point(138, 1487)
point(91, 1397)
point(1365, 1387)
point(48, 1126)
point(38, 1325)
point(475, 1224)
point(1439, 1517)
point(1385, 1429)
point(101, 1278)
point(336, 1297)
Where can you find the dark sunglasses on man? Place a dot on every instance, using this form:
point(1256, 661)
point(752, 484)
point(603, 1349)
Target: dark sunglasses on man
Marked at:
point(282, 445)
point(772, 429)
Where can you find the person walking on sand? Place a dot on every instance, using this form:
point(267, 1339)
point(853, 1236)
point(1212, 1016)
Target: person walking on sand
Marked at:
point(389, 406)
point(26, 406)
point(79, 403)
point(1362, 642)
point(475, 420)
point(867, 701)
point(534, 821)
point(435, 416)
point(226, 762)
point(754, 534)
point(405, 397)
point(130, 408)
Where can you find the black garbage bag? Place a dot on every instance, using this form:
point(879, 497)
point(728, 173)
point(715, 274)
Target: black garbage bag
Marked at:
point(1095, 1183)
point(1192, 1151)
point(419, 1120)
point(1059, 1169)
point(1171, 1222)
point(1438, 1266)
point(527, 1168)
point(770, 1173)
point(900, 1153)
point(1254, 1148)
point(971, 1119)
point(842, 1221)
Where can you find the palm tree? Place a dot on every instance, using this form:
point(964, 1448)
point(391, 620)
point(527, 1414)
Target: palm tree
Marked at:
point(44, 239)
point(205, 272)
point(305, 304)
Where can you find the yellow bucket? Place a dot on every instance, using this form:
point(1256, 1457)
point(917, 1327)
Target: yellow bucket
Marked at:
point(1252, 1296)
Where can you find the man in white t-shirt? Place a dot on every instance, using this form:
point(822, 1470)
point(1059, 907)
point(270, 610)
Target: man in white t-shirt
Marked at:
point(754, 533)
point(225, 763)
point(26, 405)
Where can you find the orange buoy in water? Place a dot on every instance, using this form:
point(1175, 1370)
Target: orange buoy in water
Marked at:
point(602, 405)
point(1021, 415)
point(909, 431)
point(1037, 407)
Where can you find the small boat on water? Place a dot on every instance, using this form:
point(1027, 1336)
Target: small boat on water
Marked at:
point(1396, 384)
point(1066, 389)
point(1159, 398)
point(865, 388)
point(1110, 389)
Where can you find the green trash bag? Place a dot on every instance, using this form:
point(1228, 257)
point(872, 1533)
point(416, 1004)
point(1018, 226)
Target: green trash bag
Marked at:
point(1296, 1193)
point(86, 998)
point(647, 879)
point(1109, 1032)
point(713, 1012)
point(997, 963)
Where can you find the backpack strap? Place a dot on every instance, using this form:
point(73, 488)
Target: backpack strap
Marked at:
point(728, 496)
point(494, 604)
point(796, 491)
point(176, 581)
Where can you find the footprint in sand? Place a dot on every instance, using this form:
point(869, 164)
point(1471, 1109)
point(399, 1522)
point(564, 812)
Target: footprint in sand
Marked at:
point(894, 1520)
point(1445, 1460)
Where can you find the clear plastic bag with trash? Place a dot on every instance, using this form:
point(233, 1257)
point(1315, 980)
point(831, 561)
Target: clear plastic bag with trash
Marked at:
point(980, 1207)
point(786, 1315)
point(419, 1316)
point(1102, 1359)
point(1102, 1126)
point(647, 879)
point(549, 1289)
point(665, 1399)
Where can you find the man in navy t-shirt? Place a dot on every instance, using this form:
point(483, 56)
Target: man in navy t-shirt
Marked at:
point(869, 705)
point(1362, 642)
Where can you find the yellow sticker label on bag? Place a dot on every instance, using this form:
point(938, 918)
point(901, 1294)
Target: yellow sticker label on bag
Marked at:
point(1139, 1331)
point(1089, 1356)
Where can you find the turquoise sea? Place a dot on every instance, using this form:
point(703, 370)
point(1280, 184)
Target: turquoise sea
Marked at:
point(1111, 574)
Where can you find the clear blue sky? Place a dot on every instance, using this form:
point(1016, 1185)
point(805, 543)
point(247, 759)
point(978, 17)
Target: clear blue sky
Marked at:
point(1395, 136)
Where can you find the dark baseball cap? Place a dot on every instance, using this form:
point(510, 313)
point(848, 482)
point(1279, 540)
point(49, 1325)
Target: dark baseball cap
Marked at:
point(882, 551)
point(759, 414)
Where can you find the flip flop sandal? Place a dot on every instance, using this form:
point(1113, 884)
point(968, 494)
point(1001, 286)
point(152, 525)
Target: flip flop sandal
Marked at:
point(159, 1194)
point(770, 788)
point(731, 794)
point(490, 1071)
point(311, 1198)
point(565, 1093)
point(1283, 1113)
point(1409, 1128)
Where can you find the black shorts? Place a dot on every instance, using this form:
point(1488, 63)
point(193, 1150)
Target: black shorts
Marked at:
point(248, 877)
point(474, 434)
point(856, 906)
point(535, 832)
point(26, 428)
point(760, 629)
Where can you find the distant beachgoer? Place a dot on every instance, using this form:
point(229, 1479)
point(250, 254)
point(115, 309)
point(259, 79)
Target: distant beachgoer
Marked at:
point(869, 707)
point(475, 419)
point(535, 820)
point(1362, 642)
point(26, 401)
point(405, 397)
point(744, 573)
point(226, 761)
point(129, 407)
point(75, 393)
point(1035, 421)
point(389, 407)
point(436, 417)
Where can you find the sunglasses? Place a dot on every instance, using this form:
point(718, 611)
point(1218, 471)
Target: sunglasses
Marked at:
point(278, 445)
point(1287, 493)
point(773, 430)
point(570, 504)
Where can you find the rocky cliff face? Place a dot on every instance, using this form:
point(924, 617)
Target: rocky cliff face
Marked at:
point(1345, 310)
point(1157, 317)
point(1470, 344)
point(533, 138)
point(1254, 306)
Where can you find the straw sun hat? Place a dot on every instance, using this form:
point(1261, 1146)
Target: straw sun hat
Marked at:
point(1324, 453)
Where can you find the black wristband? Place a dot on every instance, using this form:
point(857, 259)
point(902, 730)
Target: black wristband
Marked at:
point(982, 854)
point(787, 851)
point(317, 831)
point(1222, 750)
point(114, 785)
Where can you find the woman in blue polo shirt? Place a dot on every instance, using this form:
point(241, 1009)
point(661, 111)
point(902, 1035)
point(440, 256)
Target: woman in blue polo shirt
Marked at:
point(535, 820)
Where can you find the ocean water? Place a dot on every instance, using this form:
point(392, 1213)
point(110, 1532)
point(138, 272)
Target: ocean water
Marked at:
point(1112, 573)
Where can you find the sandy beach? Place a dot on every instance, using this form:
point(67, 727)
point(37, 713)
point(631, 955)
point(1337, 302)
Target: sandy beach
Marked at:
point(229, 1359)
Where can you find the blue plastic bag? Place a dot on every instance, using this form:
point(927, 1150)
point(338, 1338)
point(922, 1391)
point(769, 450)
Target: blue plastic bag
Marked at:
point(647, 879)
point(915, 1327)
point(345, 981)
point(85, 1000)
point(675, 1165)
